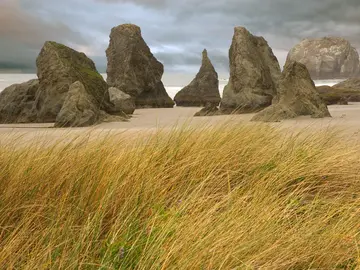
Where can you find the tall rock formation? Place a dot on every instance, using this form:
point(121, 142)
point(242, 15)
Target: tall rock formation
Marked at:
point(327, 58)
point(204, 89)
point(17, 102)
point(58, 67)
point(254, 71)
point(296, 96)
point(133, 68)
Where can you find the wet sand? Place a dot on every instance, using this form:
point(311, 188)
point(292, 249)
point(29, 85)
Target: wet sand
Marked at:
point(344, 117)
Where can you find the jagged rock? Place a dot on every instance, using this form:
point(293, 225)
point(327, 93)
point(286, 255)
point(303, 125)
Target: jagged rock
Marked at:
point(327, 58)
point(58, 67)
point(17, 101)
point(203, 89)
point(296, 96)
point(121, 100)
point(254, 71)
point(209, 110)
point(80, 109)
point(133, 68)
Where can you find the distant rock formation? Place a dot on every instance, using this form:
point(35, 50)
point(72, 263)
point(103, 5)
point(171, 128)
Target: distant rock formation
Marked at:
point(133, 68)
point(121, 100)
point(327, 58)
point(341, 93)
point(17, 101)
point(60, 66)
point(79, 109)
point(209, 110)
point(351, 84)
point(203, 89)
point(296, 96)
point(254, 72)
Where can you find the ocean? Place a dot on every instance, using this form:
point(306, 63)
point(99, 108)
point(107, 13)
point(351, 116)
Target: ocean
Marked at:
point(173, 82)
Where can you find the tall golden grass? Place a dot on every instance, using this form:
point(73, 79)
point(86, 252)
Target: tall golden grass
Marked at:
point(231, 197)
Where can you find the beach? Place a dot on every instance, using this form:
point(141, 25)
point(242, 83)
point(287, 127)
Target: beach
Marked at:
point(148, 121)
point(344, 117)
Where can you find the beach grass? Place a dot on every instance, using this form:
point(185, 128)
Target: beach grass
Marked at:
point(226, 197)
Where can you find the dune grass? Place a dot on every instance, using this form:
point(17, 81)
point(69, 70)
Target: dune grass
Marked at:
point(232, 197)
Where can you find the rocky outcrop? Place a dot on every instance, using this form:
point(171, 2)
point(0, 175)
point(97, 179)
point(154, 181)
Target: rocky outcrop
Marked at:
point(351, 84)
point(339, 95)
point(58, 67)
point(327, 58)
point(209, 110)
point(79, 109)
point(296, 96)
point(254, 71)
point(121, 100)
point(134, 69)
point(203, 89)
point(17, 102)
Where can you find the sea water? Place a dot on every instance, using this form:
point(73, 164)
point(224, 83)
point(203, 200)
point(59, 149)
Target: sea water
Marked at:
point(173, 82)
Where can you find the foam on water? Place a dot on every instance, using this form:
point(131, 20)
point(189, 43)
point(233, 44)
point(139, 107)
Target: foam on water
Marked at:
point(172, 85)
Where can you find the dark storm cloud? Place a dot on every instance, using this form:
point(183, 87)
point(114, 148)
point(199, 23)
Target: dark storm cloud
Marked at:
point(22, 34)
point(178, 30)
point(196, 23)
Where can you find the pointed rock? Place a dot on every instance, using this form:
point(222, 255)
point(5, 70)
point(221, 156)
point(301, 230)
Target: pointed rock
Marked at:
point(296, 96)
point(203, 89)
point(254, 72)
point(134, 69)
point(58, 67)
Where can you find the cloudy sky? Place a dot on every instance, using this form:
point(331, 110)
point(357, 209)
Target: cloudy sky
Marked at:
point(176, 30)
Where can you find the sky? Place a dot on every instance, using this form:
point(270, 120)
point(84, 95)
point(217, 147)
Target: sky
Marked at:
point(176, 30)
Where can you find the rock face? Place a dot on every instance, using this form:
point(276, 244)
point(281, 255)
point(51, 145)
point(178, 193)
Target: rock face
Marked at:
point(121, 100)
point(254, 72)
point(133, 68)
point(79, 109)
point(327, 58)
point(209, 110)
point(58, 67)
point(203, 89)
point(17, 101)
point(296, 96)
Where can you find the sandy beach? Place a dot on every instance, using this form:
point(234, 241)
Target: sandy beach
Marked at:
point(345, 118)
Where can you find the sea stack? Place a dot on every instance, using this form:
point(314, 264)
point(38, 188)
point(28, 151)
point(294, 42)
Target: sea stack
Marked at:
point(203, 90)
point(254, 72)
point(133, 69)
point(58, 67)
point(327, 58)
point(296, 96)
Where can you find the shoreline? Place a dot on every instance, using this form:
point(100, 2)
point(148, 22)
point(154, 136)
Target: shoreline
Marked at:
point(147, 121)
